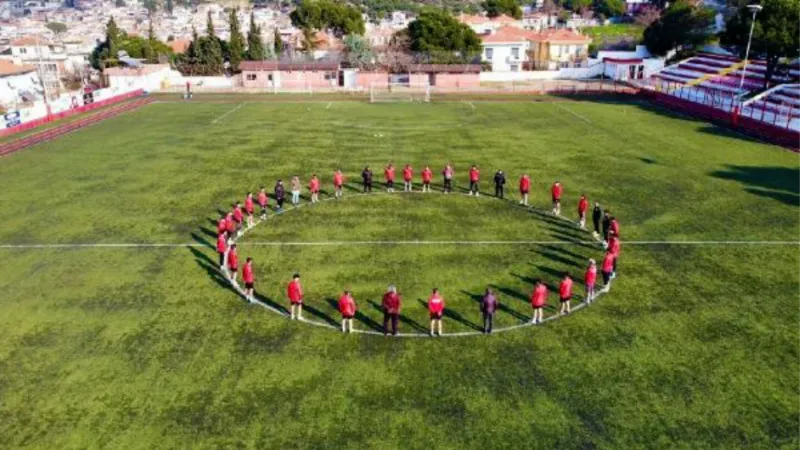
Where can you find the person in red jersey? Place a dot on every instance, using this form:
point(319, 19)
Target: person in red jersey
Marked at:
point(436, 311)
point(238, 217)
point(474, 178)
point(249, 207)
point(295, 293)
point(427, 176)
point(589, 279)
point(263, 200)
point(222, 225)
point(408, 178)
point(583, 206)
point(230, 226)
point(249, 279)
point(613, 226)
point(222, 249)
point(607, 269)
point(233, 264)
point(388, 176)
point(448, 173)
point(614, 245)
point(391, 310)
point(313, 186)
point(538, 301)
point(338, 182)
point(565, 294)
point(347, 306)
point(557, 190)
point(524, 188)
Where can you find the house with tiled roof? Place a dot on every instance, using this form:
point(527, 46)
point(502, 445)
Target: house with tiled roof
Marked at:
point(16, 80)
point(485, 24)
point(48, 58)
point(512, 49)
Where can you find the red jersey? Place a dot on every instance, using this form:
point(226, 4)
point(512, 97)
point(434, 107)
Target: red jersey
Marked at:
point(435, 304)
point(427, 175)
point(233, 260)
point(608, 262)
point(238, 215)
point(248, 204)
point(583, 205)
point(347, 306)
point(388, 173)
point(222, 243)
point(263, 199)
point(391, 302)
point(557, 191)
point(408, 173)
point(338, 179)
point(524, 184)
point(222, 226)
point(230, 224)
point(474, 175)
point(313, 185)
point(613, 246)
point(294, 291)
point(614, 226)
point(565, 289)
point(539, 296)
point(591, 276)
point(247, 273)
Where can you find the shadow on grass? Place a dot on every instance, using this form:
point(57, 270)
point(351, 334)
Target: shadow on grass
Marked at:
point(320, 315)
point(201, 240)
point(360, 317)
point(500, 305)
point(779, 183)
point(454, 315)
point(210, 266)
point(268, 301)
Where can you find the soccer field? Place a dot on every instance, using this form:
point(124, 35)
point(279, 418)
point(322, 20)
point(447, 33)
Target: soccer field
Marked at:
point(105, 345)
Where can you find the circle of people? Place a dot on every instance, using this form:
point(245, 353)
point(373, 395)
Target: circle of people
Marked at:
point(231, 224)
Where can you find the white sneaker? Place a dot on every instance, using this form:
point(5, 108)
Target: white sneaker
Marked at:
point(477, 194)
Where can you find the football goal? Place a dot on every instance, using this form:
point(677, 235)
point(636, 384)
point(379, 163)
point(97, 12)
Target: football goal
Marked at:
point(399, 92)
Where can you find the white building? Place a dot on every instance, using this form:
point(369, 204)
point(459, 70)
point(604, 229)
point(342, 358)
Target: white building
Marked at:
point(506, 49)
point(486, 25)
point(48, 58)
point(18, 83)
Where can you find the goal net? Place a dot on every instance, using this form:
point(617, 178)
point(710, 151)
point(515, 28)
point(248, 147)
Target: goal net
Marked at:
point(399, 92)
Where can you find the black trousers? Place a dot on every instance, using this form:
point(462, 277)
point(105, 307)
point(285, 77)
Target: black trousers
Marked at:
point(280, 203)
point(473, 186)
point(488, 318)
point(498, 191)
point(448, 184)
point(596, 225)
point(222, 259)
point(368, 186)
point(389, 317)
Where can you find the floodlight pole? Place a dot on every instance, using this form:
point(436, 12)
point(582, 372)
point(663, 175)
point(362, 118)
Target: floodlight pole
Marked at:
point(755, 9)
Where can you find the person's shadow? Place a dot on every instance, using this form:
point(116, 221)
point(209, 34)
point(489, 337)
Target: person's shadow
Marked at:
point(402, 318)
point(359, 316)
point(452, 314)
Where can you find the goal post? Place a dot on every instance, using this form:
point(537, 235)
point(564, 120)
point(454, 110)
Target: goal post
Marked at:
point(399, 92)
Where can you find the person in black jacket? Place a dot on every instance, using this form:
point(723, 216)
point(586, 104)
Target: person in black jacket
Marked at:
point(606, 226)
point(280, 194)
point(597, 214)
point(366, 175)
point(499, 182)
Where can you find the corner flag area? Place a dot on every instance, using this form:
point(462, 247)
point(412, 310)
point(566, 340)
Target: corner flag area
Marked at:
point(121, 327)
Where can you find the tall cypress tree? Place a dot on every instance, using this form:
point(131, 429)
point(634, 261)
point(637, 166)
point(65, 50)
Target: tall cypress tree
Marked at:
point(277, 43)
point(211, 49)
point(236, 43)
point(113, 36)
point(255, 46)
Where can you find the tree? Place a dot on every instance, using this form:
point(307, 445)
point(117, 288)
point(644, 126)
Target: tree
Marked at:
point(211, 54)
point(646, 15)
point(341, 19)
point(577, 6)
point(236, 42)
point(609, 8)
point(774, 33)
point(680, 26)
point(309, 43)
point(496, 8)
point(56, 27)
point(358, 52)
point(169, 5)
point(438, 34)
point(277, 43)
point(150, 5)
point(120, 3)
point(112, 37)
point(255, 46)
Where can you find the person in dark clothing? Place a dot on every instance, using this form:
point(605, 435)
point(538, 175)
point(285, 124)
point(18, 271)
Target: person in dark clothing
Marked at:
point(499, 183)
point(280, 194)
point(391, 310)
point(488, 307)
point(366, 175)
point(597, 214)
point(606, 226)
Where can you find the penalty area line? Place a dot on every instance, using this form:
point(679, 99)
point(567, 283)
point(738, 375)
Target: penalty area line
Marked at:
point(564, 108)
point(389, 243)
point(233, 110)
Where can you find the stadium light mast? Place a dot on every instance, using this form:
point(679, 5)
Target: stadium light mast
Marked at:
point(755, 9)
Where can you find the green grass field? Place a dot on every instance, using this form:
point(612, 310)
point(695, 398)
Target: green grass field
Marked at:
point(696, 346)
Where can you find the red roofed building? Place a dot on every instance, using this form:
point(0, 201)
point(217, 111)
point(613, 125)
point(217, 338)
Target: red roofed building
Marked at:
point(512, 49)
point(179, 45)
point(485, 24)
point(47, 57)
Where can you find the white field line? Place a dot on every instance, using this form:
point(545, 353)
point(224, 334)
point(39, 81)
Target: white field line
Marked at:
point(229, 112)
point(564, 108)
point(329, 105)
